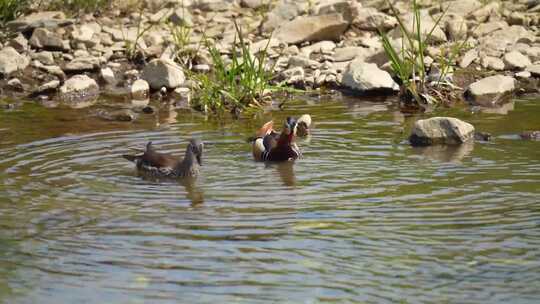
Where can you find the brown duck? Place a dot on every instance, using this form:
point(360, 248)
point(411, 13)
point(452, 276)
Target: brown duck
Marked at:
point(166, 165)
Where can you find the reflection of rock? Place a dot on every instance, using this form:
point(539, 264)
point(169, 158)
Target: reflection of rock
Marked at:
point(364, 108)
point(445, 153)
point(503, 109)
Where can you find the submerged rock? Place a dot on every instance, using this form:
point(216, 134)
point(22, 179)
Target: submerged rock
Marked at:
point(491, 91)
point(11, 61)
point(364, 77)
point(441, 130)
point(117, 115)
point(79, 91)
point(163, 73)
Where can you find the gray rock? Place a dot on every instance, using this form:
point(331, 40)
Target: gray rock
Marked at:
point(482, 14)
point(456, 28)
point(514, 60)
point(20, 43)
point(460, 7)
point(11, 61)
point(15, 84)
point(82, 64)
point(124, 115)
point(304, 62)
point(488, 28)
point(44, 57)
point(370, 19)
point(47, 87)
point(79, 91)
point(341, 7)
point(85, 34)
point(492, 63)
point(351, 52)
point(48, 19)
point(523, 75)
point(212, 5)
point(468, 58)
point(441, 130)
point(364, 77)
point(429, 30)
point(42, 38)
point(321, 47)
point(284, 11)
point(312, 28)
point(534, 69)
point(253, 4)
point(491, 91)
point(163, 73)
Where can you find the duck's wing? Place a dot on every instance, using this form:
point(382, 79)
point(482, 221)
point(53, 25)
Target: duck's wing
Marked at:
point(152, 158)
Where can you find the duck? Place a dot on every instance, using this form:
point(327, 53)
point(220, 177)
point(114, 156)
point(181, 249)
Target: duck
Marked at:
point(270, 145)
point(159, 164)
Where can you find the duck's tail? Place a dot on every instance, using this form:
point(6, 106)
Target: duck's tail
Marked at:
point(258, 148)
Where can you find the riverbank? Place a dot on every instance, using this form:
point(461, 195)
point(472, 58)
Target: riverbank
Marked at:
point(181, 52)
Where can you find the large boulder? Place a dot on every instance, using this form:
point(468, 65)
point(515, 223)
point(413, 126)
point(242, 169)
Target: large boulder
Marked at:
point(11, 61)
point(79, 91)
point(363, 77)
point(491, 91)
point(312, 28)
point(163, 73)
point(441, 130)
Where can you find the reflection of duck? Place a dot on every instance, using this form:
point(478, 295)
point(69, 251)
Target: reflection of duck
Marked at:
point(285, 171)
point(272, 146)
point(166, 165)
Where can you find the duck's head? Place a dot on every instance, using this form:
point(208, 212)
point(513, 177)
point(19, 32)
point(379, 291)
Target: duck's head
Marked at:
point(289, 128)
point(196, 146)
point(303, 125)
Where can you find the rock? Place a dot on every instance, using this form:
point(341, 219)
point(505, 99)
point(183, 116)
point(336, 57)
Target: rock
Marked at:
point(428, 27)
point(11, 61)
point(201, 68)
point(534, 69)
point(53, 70)
point(492, 63)
point(468, 58)
point(304, 62)
point(482, 14)
point(488, 28)
point(370, 19)
point(253, 4)
point(523, 75)
point(82, 64)
point(321, 47)
point(312, 28)
point(19, 43)
point(85, 34)
point(363, 77)
point(212, 5)
point(341, 7)
point(15, 84)
point(48, 87)
point(497, 42)
point(456, 28)
point(491, 91)
point(514, 60)
point(42, 38)
point(460, 7)
point(107, 75)
point(140, 91)
point(163, 73)
point(351, 52)
point(181, 17)
point(79, 91)
point(441, 130)
point(44, 57)
point(124, 115)
point(284, 11)
point(182, 98)
point(48, 19)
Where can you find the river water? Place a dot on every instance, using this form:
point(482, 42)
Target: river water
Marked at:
point(362, 218)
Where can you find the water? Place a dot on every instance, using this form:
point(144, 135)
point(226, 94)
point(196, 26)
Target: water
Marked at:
point(362, 218)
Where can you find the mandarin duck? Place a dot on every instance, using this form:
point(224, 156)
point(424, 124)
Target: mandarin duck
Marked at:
point(272, 146)
point(166, 165)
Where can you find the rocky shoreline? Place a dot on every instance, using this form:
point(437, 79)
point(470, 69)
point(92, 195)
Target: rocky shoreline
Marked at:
point(329, 44)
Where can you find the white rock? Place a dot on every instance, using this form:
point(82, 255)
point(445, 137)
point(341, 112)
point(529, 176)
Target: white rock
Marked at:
point(492, 63)
point(163, 73)
point(468, 58)
point(351, 52)
point(140, 90)
point(107, 75)
point(42, 38)
point(534, 69)
point(491, 91)
point(515, 60)
point(44, 57)
point(79, 91)
point(362, 77)
point(11, 61)
point(441, 130)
